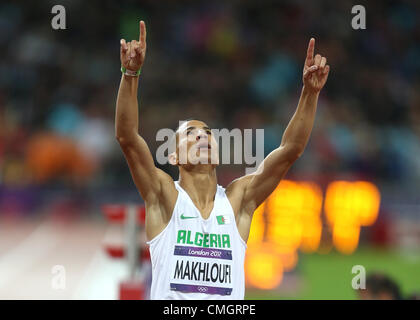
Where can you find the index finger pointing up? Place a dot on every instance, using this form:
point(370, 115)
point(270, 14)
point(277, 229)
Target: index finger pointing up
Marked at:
point(142, 37)
point(310, 52)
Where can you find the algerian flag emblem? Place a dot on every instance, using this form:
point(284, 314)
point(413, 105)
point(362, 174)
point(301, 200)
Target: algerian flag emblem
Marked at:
point(223, 219)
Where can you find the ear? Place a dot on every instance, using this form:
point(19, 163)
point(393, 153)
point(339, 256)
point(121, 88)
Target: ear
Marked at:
point(173, 160)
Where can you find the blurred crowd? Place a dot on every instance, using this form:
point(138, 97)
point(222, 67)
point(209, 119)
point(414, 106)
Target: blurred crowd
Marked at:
point(235, 64)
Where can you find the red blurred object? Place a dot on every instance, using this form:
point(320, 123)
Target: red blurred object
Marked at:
point(115, 251)
point(132, 216)
point(116, 213)
point(380, 231)
point(118, 251)
point(144, 255)
point(132, 290)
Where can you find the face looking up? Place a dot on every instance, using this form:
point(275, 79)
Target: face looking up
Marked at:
point(195, 145)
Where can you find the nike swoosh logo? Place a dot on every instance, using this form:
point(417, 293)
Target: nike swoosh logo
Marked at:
point(187, 217)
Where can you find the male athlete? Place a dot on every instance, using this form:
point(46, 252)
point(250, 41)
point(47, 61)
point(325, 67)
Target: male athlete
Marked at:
point(197, 230)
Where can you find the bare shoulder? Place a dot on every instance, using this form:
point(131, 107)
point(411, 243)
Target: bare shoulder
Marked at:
point(164, 199)
point(165, 179)
point(168, 192)
point(238, 184)
point(160, 207)
point(235, 192)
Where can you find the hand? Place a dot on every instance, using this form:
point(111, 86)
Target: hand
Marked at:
point(133, 53)
point(315, 71)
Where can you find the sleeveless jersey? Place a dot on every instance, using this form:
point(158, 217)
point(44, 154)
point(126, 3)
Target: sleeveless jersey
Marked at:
point(197, 258)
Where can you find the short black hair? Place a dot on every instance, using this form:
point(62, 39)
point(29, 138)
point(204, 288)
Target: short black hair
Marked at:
point(378, 283)
point(181, 122)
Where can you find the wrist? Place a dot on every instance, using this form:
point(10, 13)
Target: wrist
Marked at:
point(310, 91)
point(130, 73)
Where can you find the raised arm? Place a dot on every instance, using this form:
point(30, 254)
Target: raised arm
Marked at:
point(147, 178)
point(256, 187)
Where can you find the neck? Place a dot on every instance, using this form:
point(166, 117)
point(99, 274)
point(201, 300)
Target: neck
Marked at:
point(200, 184)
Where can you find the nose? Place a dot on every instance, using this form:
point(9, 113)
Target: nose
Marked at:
point(201, 135)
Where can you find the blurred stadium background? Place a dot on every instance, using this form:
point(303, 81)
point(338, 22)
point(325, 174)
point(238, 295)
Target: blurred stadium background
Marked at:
point(352, 199)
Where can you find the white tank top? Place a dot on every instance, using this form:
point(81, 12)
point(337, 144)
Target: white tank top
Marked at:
point(197, 258)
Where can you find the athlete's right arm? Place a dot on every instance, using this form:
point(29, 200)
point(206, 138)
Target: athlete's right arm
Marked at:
point(155, 186)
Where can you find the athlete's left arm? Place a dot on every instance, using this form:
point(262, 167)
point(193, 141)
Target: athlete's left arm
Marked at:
point(256, 187)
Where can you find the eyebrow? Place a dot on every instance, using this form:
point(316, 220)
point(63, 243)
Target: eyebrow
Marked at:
point(191, 128)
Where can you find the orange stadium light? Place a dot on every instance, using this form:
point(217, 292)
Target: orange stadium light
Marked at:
point(346, 238)
point(349, 205)
point(263, 268)
point(311, 237)
point(293, 213)
point(367, 202)
point(288, 256)
point(283, 219)
point(311, 216)
point(352, 201)
point(290, 220)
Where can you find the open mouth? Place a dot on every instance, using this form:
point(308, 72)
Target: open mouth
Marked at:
point(205, 146)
